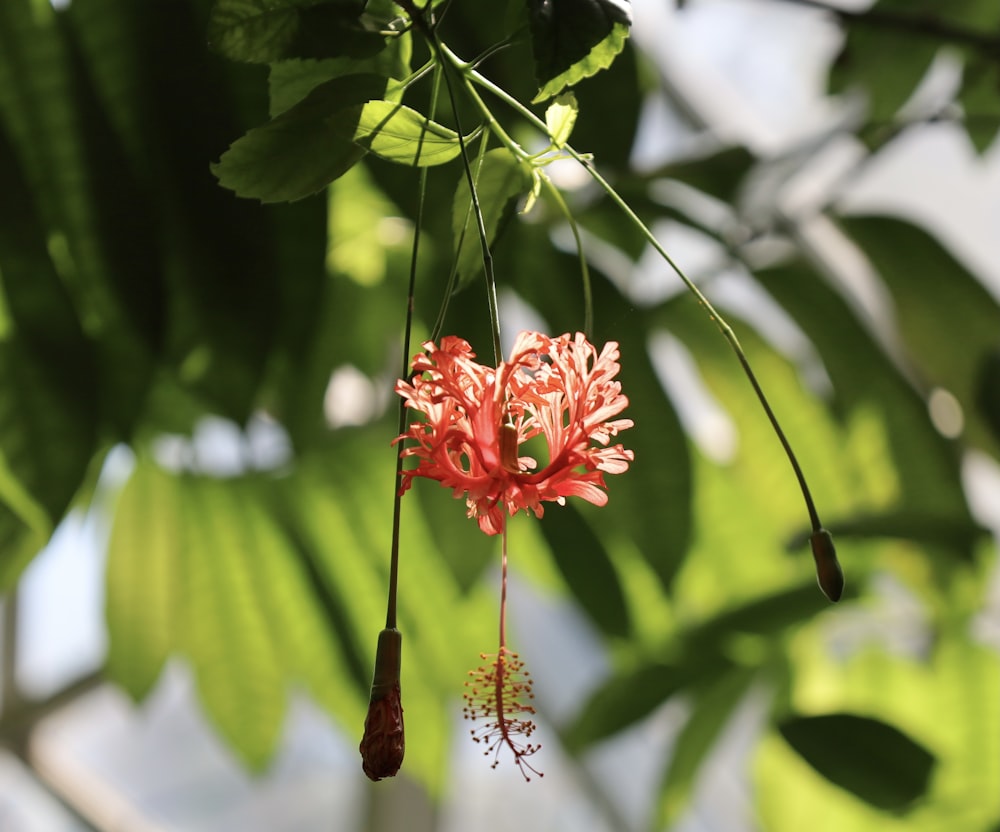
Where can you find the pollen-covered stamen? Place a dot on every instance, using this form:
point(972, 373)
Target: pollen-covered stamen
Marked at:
point(500, 692)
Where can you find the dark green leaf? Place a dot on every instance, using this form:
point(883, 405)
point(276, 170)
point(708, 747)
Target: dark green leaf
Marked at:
point(711, 711)
point(885, 63)
point(574, 39)
point(403, 135)
point(935, 298)
point(587, 568)
point(654, 500)
point(262, 31)
point(290, 81)
point(305, 148)
point(871, 759)
point(956, 533)
point(696, 657)
point(988, 391)
point(980, 99)
point(500, 179)
point(865, 379)
point(633, 695)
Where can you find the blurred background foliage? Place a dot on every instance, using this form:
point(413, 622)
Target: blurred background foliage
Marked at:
point(140, 298)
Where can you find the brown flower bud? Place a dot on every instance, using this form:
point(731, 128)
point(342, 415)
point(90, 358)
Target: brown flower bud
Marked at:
point(828, 571)
point(383, 744)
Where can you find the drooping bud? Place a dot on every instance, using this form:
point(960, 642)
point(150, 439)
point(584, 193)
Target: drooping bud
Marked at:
point(828, 572)
point(383, 744)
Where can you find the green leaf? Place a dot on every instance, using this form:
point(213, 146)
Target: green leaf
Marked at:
point(262, 31)
point(574, 39)
point(232, 646)
point(873, 760)
point(144, 579)
point(935, 297)
point(500, 179)
point(661, 525)
point(560, 118)
point(886, 64)
point(866, 381)
point(633, 695)
point(988, 391)
point(305, 148)
point(290, 81)
point(980, 99)
point(960, 534)
point(403, 135)
point(694, 658)
point(711, 711)
point(586, 565)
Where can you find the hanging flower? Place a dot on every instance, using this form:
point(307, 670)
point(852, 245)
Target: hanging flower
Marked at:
point(476, 417)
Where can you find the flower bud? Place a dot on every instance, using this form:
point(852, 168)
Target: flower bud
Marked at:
point(828, 571)
point(383, 744)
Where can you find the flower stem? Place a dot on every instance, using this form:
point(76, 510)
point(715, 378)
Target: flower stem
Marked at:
point(491, 285)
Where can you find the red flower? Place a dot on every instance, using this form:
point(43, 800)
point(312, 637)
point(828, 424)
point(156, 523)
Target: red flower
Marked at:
point(476, 417)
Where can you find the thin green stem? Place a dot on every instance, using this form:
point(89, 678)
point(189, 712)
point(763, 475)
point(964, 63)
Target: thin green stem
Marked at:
point(397, 503)
point(588, 296)
point(491, 286)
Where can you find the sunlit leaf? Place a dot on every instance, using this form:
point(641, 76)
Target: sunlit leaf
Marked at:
point(232, 647)
point(869, 758)
point(560, 118)
point(305, 148)
point(574, 39)
point(500, 180)
point(403, 135)
point(143, 579)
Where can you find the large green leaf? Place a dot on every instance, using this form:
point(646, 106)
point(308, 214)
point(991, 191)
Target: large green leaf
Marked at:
point(865, 380)
point(144, 578)
point(66, 149)
point(869, 758)
point(935, 298)
point(693, 658)
point(586, 565)
point(574, 39)
point(262, 31)
point(233, 649)
point(303, 149)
